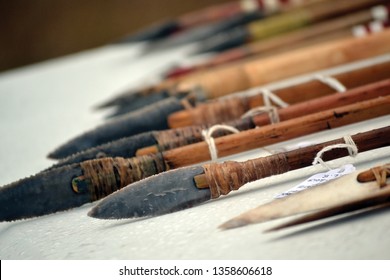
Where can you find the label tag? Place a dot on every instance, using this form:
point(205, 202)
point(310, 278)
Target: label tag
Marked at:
point(319, 179)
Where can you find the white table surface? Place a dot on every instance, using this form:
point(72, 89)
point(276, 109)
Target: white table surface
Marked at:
point(46, 104)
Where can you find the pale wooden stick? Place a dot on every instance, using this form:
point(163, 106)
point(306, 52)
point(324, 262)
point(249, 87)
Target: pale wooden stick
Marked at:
point(332, 194)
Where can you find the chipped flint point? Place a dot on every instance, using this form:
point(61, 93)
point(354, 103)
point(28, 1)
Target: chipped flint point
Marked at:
point(41, 194)
point(155, 195)
point(125, 147)
point(152, 117)
point(137, 102)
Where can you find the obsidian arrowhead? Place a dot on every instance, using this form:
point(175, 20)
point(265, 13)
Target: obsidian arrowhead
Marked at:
point(152, 117)
point(154, 32)
point(224, 41)
point(125, 147)
point(205, 32)
point(137, 101)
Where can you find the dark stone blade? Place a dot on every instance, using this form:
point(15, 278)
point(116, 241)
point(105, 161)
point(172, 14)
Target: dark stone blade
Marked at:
point(164, 193)
point(130, 102)
point(42, 194)
point(154, 32)
point(203, 33)
point(124, 147)
point(152, 117)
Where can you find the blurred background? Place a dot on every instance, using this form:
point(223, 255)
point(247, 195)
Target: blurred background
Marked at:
point(34, 31)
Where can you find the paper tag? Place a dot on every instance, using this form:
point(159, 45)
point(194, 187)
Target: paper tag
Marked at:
point(318, 179)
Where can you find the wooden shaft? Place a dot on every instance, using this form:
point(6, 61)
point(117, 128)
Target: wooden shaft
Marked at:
point(205, 113)
point(225, 10)
point(257, 72)
point(178, 137)
point(297, 18)
point(334, 8)
point(209, 14)
point(317, 30)
point(270, 134)
point(172, 81)
point(366, 92)
point(321, 32)
point(229, 176)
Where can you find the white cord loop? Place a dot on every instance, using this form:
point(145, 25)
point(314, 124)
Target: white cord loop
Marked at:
point(272, 113)
point(331, 82)
point(349, 144)
point(269, 96)
point(207, 135)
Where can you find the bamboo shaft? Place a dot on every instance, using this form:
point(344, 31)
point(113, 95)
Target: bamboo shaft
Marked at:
point(270, 134)
point(205, 113)
point(256, 72)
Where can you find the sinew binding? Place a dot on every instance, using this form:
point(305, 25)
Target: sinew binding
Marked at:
point(74, 185)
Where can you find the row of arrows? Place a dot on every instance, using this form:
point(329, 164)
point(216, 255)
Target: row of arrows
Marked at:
point(161, 151)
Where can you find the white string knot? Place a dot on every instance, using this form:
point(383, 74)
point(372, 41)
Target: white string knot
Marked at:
point(207, 135)
point(349, 144)
point(271, 110)
point(331, 82)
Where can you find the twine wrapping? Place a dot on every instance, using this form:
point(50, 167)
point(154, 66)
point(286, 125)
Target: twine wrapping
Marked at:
point(225, 177)
point(221, 111)
point(173, 138)
point(104, 176)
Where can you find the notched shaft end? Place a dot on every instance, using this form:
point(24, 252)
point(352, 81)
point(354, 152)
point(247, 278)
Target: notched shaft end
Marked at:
point(378, 173)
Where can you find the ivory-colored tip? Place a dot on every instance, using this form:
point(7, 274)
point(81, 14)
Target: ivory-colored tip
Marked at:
point(234, 223)
point(273, 229)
